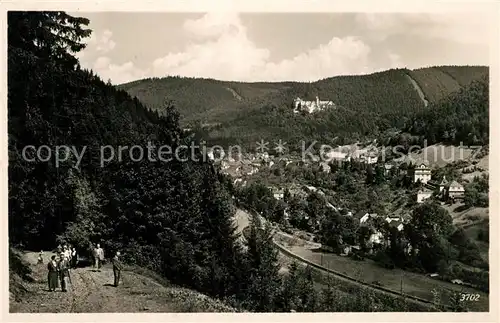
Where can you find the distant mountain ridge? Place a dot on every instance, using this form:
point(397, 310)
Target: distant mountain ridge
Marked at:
point(364, 104)
point(209, 100)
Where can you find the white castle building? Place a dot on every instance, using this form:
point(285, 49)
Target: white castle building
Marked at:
point(310, 106)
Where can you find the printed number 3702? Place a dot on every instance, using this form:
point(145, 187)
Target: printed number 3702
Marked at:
point(469, 297)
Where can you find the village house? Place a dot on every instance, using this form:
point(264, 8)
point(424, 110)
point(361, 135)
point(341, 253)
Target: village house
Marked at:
point(264, 156)
point(310, 189)
point(451, 190)
point(423, 195)
point(369, 158)
point(367, 218)
point(278, 194)
point(376, 238)
point(389, 169)
point(325, 167)
point(335, 155)
point(395, 223)
point(455, 190)
point(422, 172)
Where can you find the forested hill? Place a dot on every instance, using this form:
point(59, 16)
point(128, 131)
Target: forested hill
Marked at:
point(396, 91)
point(172, 217)
point(460, 118)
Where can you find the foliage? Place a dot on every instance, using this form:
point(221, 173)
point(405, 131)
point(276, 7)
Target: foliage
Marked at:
point(175, 218)
point(264, 282)
point(476, 193)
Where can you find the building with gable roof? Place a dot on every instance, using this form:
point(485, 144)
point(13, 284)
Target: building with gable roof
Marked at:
point(423, 195)
point(422, 172)
point(455, 190)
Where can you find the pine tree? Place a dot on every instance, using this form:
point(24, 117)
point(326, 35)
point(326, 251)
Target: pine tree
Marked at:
point(262, 259)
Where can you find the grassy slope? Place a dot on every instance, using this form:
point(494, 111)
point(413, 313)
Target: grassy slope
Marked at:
point(141, 291)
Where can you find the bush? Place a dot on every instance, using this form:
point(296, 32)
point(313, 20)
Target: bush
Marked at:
point(483, 235)
point(384, 260)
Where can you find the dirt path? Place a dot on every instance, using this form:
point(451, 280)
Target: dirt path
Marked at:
point(92, 292)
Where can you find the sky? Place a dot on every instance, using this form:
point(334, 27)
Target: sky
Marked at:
point(127, 46)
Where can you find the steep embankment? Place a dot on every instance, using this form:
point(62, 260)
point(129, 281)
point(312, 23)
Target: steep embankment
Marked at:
point(92, 292)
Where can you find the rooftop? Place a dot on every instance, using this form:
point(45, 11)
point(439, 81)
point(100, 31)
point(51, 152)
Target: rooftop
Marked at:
point(455, 184)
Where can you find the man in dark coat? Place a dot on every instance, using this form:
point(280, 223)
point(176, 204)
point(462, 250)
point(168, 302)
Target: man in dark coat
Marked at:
point(117, 268)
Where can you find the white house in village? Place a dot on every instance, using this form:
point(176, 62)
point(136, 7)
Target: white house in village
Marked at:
point(369, 158)
point(278, 194)
point(376, 238)
point(310, 106)
point(422, 172)
point(325, 167)
point(336, 156)
point(455, 190)
point(423, 195)
point(365, 218)
point(264, 155)
point(388, 168)
point(451, 190)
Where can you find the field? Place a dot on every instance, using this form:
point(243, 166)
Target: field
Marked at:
point(472, 233)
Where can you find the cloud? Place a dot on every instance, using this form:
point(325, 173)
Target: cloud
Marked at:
point(220, 48)
point(102, 43)
point(395, 60)
point(464, 28)
point(118, 73)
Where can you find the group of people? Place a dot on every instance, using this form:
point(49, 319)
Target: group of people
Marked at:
point(59, 269)
point(59, 266)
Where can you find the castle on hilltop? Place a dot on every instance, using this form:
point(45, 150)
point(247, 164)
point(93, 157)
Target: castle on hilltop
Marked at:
point(310, 106)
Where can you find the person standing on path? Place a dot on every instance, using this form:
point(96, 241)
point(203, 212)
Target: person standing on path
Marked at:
point(64, 274)
point(53, 274)
point(117, 268)
point(74, 258)
point(98, 257)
